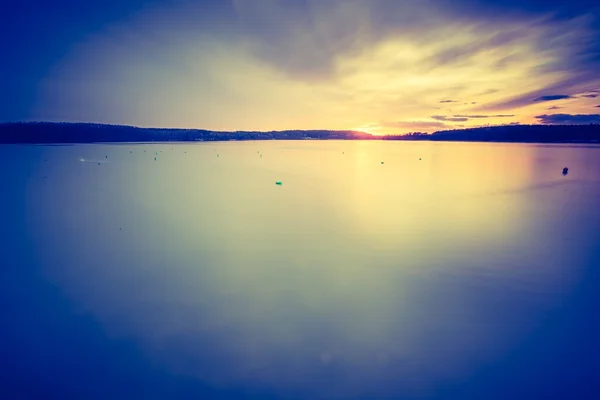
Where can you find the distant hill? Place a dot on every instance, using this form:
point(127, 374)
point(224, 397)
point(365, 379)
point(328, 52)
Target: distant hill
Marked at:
point(515, 133)
point(49, 132)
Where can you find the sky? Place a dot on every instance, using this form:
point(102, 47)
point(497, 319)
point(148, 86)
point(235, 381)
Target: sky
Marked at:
point(379, 66)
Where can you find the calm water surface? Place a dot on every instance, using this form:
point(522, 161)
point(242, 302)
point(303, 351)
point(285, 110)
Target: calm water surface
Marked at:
point(376, 270)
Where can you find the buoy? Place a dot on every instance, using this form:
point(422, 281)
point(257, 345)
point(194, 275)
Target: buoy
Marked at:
point(279, 183)
point(382, 162)
point(154, 158)
point(565, 170)
point(419, 158)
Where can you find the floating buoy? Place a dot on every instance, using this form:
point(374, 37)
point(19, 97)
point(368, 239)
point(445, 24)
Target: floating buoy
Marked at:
point(279, 183)
point(382, 162)
point(565, 171)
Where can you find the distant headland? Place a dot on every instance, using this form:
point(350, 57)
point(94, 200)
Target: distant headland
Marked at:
point(65, 133)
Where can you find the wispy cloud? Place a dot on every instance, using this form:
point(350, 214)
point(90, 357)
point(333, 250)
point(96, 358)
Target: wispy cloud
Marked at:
point(485, 116)
point(466, 117)
point(425, 125)
point(554, 108)
point(453, 119)
point(555, 119)
point(448, 101)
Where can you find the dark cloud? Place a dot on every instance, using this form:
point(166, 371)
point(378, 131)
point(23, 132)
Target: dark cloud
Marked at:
point(590, 96)
point(492, 8)
point(574, 83)
point(598, 106)
point(557, 119)
point(463, 118)
point(453, 119)
point(554, 108)
point(448, 101)
point(553, 97)
point(484, 116)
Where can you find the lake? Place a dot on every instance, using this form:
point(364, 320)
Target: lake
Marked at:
point(375, 270)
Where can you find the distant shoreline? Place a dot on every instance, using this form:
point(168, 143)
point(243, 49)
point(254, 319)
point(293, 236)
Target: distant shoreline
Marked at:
point(49, 133)
point(53, 144)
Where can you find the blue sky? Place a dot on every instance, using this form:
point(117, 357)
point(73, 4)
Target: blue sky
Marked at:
point(382, 66)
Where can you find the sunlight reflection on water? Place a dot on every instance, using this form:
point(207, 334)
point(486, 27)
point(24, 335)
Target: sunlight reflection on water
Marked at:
point(352, 278)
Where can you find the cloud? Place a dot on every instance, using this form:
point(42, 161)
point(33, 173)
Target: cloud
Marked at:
point(485, 116)
point(598, 106)
point(463, 118)
point(427, 125)
point(453, 119)
point(553, 97)
point(270, 63)
point(458, 52)
point(554, 108)
point(557, 119)
point(590, 96)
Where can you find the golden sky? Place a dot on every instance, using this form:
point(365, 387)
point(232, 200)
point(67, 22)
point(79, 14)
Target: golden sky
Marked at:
point(378, 66)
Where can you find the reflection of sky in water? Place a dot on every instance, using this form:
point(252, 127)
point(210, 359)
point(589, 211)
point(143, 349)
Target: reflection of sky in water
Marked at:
point(353, 278)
